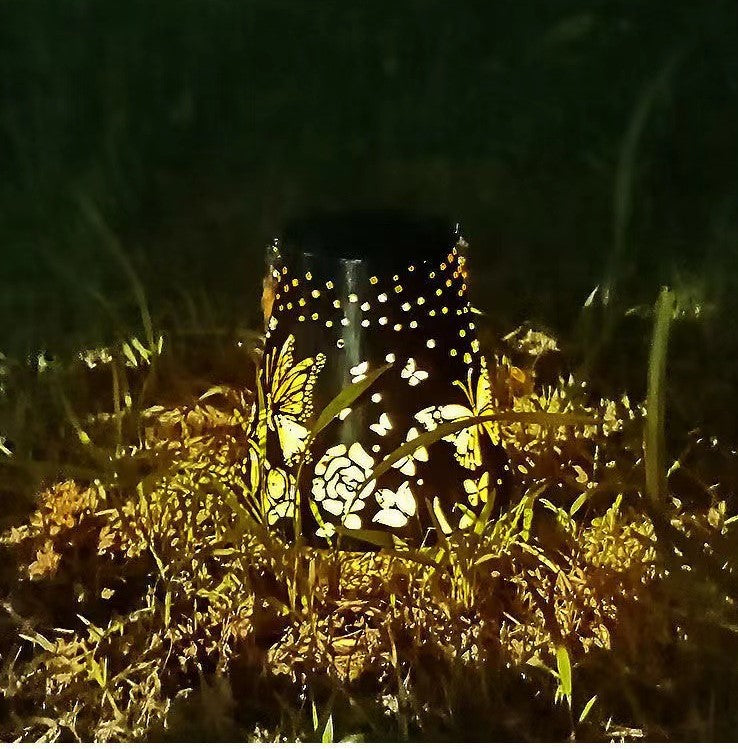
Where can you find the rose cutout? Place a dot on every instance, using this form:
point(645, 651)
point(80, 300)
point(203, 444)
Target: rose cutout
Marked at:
point(341, 482)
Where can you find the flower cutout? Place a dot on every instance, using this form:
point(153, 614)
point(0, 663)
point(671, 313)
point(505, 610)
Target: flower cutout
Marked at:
point(406, 465)
point(342, 482)
point(396, 507)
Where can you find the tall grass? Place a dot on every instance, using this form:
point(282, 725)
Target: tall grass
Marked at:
point(147, 589)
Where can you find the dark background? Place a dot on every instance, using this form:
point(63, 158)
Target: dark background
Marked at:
point(577, 142)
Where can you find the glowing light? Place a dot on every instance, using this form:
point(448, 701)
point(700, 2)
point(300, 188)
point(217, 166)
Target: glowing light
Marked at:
point(358, 373)
point(412, 374)
point(383, 426)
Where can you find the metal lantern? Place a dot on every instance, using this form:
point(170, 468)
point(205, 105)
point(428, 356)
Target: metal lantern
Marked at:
point(353, 293)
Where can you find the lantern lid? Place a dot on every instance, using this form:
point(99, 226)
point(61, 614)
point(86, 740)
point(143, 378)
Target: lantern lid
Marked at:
point(383, 240)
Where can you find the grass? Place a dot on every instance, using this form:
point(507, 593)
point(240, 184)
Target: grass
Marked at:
point(143, 597)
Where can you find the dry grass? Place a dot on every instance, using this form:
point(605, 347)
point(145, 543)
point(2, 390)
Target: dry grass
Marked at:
point(147, 601)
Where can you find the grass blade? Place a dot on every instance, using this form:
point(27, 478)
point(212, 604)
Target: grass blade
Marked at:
point(563, 667)
point(656, 400)
point(587, 708)
point(426, 439)
point(344, 399)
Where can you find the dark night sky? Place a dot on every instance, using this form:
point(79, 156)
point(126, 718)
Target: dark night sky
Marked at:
point(195, 129)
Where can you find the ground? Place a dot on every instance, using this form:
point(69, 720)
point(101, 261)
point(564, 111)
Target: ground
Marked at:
point(141, 587)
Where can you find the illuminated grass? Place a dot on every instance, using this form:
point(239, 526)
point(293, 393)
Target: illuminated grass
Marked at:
point(149, 601)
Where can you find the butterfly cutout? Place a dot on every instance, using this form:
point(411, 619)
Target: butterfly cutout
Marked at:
point(477, 494)
point(382, 426)
point(281, 494)
point(412, 374)
point(406, 464)
point(481, 403)
point(289, 390)
point(396, 507)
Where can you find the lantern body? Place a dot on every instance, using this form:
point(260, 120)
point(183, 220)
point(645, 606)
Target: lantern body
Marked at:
point(351, 294)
